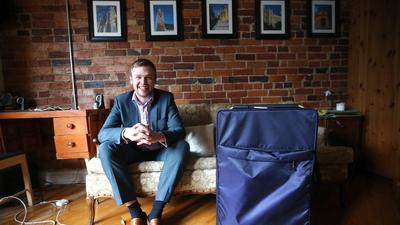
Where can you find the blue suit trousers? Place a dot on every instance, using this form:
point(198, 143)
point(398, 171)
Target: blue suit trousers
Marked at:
point(115, 159)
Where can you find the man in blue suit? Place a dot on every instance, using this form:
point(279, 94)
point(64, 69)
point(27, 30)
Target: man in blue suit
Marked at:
point(143, 125)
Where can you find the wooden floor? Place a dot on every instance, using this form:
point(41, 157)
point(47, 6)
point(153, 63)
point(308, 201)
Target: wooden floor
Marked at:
point(370, 201)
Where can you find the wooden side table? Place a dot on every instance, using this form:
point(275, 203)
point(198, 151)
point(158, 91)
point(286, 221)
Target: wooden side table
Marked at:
point(344, 129)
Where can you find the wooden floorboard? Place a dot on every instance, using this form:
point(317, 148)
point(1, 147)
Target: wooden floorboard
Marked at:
point(370, 200)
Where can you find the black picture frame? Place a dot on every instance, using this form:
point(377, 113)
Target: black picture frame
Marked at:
point(107, 20)
point(323, 18)
point(163, 20)
point(228, 23)
point(272, 19)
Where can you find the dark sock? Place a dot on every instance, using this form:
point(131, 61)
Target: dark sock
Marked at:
point(157, 210)
point(135, 210)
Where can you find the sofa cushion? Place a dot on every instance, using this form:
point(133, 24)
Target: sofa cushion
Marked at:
point(93, 166)
point(201, 139)
point(194, 114)
point(215, 108)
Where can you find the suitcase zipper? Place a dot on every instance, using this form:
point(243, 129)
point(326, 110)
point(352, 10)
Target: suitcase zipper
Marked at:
point(293, 164)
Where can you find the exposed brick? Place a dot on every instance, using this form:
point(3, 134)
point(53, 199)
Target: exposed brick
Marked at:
point(118, 45)
point(132, 51)
point(145, 51)
point(311, 98)
point(93, 84)
point(317, 56)
point(258, 79)
point(323, 41)
point(184, 66)
point(195, 58)
point(339, 70)
point(304, 91)
point(205, 80)
point(237, 79)
point(229, 42)
point(43, 78)
point(283, 49)
point(41, 32)
point(212, 58)
point(83, 62)
point(237, 94)
point(197, 70)
point(287, 99)
point(170, 59)
point(265, 56)
point(215, 95)
point(84, 77)
point(204, 50)
point(115, 83)
point(257, 93)
point(286, 56)
point(60, 38)
point(245, 56)
point(185, 81)
point(321, 70)
point(278, 93)
point(306, 70)
point(60, 62)
point(114, 52)
point(59, 86)
point(193, 95)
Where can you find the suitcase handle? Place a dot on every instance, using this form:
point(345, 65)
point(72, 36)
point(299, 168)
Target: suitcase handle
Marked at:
point(269, 106)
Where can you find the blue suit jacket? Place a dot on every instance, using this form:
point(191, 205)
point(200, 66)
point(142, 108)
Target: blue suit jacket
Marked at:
point(164, 117)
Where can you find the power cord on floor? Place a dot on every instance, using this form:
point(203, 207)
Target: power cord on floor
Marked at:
point(56, 203)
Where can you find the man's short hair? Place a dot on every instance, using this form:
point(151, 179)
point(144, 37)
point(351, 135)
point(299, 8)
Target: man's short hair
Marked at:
point(144, 62)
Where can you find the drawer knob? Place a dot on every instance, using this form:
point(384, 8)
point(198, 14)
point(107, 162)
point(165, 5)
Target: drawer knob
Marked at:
point(70, 125)
point(71, 144)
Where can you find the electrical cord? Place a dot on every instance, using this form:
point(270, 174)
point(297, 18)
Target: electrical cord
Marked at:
point(62, 203)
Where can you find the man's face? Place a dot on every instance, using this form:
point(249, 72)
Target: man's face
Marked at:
point(143, 80)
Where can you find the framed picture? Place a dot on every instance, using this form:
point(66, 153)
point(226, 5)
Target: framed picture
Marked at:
point(163, 20)
point(323, 18)
point(107, 20)
point(219, 18)
point(272, 19)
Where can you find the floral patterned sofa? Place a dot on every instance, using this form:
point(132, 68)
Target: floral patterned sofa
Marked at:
point(200, 174)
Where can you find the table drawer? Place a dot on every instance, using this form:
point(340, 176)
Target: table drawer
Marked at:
point(70, 125)
point(71, 143)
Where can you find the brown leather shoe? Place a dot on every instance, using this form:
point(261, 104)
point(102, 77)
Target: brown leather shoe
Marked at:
point(138, 221)
point(155, 221)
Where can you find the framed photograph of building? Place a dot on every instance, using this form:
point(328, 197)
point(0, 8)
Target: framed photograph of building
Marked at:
point(323, 18)
point(163, 20)
point(219, 18)
point(272, 19)
point(107, 20)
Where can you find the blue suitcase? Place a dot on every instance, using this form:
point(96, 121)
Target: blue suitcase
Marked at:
point(265, 160)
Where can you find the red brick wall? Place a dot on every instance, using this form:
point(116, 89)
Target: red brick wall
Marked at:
point(35, 58)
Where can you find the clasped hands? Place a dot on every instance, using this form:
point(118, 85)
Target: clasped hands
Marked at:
point(142, 134)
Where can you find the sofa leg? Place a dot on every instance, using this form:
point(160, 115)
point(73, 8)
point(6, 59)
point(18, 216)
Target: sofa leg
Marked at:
point(91, 205)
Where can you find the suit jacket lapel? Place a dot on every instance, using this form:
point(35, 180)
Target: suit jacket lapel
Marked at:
point(133, 111)
point(154, 112)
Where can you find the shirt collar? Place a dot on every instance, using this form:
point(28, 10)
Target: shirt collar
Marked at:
point(147, 102)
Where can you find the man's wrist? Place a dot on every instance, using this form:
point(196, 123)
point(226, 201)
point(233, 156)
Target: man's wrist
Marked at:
point(123, 136)
point(162, 140)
